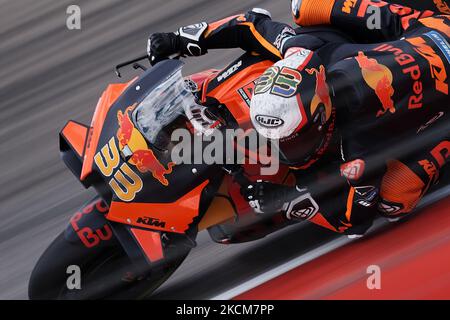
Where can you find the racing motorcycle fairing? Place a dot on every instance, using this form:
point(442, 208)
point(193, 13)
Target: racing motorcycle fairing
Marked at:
point(72, 142)
point(75, 134)
point(128, 149)
point(148, 195)
point(90, 229)
point(143, 247)
point(171, 217)
point(150, 242)
point(144, 188)
point(234, 85)
point(106, 101)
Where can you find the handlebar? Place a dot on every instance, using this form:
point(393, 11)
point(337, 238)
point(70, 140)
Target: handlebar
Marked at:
point(127, 63)
point(237, 172)
point(135, 64)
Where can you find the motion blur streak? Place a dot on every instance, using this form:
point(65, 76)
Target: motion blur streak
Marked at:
point(411, 267)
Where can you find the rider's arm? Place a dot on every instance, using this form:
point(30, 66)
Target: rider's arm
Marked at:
point(365, 19)
point(254, 31)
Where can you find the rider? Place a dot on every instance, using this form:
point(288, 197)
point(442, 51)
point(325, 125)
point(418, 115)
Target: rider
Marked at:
point(373, 97)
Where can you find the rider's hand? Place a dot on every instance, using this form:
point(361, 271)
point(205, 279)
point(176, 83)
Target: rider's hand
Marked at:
point(264, 197)
point(162, 45)
point(267, 197)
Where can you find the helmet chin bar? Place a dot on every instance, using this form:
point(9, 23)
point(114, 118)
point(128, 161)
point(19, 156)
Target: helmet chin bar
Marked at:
point(319, 151)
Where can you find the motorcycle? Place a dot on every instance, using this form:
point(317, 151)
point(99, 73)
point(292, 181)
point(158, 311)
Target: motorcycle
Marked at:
point(129, 239)
point(142, 224)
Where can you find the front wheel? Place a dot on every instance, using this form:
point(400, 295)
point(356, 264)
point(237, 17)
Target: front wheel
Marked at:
point(105, 273)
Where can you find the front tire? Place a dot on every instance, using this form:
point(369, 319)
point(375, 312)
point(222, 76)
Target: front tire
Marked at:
point(106, 273)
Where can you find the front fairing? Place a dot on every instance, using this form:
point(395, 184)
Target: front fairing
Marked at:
point(165, 196)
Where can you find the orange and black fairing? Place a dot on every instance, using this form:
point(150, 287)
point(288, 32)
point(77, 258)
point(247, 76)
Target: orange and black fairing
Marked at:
point(78, 142)
point(143, 186)
point(108, 98)
point(233, 86)
point(72, 141)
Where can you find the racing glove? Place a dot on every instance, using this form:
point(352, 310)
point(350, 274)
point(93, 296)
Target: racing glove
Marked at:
point(187, 41)
point(160, 46)
point(293, 202)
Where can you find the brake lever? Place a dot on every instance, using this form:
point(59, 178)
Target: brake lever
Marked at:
point(237, 173)
point(127, 63)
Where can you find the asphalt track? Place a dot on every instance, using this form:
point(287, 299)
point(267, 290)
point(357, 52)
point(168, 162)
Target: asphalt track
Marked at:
point(410, 267)
point(49, 75)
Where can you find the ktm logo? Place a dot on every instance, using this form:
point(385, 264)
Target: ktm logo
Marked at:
point(151, 222)
point(437, 66)
point(430, 168)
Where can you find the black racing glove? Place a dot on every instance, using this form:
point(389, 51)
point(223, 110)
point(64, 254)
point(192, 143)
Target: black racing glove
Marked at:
point(161, 46)
point(267, 197)
point(187, 41)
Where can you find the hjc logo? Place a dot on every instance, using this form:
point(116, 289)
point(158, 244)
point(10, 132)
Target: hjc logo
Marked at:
point(269, 121)
point(124, 182)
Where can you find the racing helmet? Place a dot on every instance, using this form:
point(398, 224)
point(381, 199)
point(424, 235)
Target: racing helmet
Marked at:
point(291, 105)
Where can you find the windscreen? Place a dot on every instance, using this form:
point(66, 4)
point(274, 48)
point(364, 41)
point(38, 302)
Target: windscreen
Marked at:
point(162, 106)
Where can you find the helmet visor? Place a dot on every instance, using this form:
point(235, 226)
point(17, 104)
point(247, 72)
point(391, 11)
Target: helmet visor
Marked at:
point(301, 147)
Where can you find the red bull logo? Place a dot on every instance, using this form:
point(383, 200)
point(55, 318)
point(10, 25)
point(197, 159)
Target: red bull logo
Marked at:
point(142, 157)
point(379, 78)
point(125, 126)
point(322, 91)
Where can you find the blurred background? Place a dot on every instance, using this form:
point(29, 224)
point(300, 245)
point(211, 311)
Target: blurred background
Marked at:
point(51, 74)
